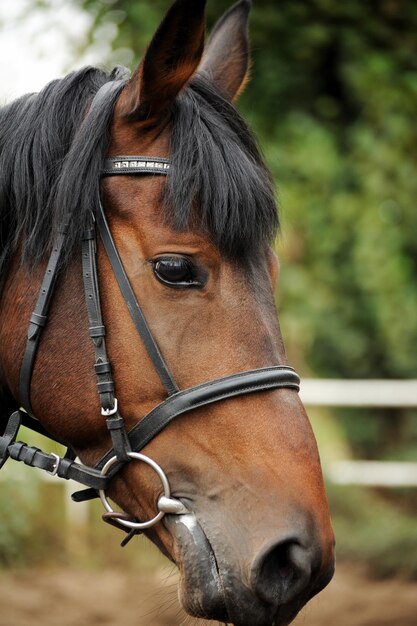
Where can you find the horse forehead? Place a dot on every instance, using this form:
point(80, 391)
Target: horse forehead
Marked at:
point(130, 138)
point(135, 210)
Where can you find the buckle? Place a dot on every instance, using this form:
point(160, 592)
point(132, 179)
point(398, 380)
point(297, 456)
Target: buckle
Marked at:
point(108, 412)
point(54, 470)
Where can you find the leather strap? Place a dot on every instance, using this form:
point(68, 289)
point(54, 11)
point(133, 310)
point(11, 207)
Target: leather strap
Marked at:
point(63, 467)
point(96, 329)
point(9, 435)
point(133, 306)
point(105, 384)
point(38, 321)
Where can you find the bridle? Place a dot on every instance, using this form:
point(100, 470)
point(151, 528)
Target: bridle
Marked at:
point(126, 445)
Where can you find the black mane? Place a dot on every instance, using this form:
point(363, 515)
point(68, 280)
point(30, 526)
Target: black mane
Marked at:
point(215, 159)
point(50, 163)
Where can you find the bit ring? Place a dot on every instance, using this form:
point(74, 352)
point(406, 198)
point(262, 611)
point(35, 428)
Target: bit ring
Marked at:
point(165, 484)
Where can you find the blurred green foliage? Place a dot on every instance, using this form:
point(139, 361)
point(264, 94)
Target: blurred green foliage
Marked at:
point(369, 530)
point(15, 526)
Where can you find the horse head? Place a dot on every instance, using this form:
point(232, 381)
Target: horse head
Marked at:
point(252, 536)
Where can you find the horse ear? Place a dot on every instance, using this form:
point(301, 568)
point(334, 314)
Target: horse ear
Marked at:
point(227, 60)
point(170, 61)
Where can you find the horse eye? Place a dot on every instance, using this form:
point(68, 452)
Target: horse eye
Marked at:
point(178, 272)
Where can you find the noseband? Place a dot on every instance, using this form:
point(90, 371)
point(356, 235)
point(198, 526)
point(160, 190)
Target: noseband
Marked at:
point(126, 445)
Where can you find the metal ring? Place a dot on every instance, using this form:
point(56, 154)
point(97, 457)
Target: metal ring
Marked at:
point(165, 485)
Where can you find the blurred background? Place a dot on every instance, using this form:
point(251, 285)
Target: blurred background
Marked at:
point(333, 101)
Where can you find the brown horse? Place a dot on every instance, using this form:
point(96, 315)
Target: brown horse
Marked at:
point(254, 542)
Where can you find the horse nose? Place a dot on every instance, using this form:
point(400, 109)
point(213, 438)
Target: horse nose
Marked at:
point(283, 570)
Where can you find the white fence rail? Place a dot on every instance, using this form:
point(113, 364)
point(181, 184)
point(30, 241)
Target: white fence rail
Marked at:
point(373, 473)
point(359, 393)
point(365, 393)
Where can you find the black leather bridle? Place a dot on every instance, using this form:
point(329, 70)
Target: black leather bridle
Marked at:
point(126, 445)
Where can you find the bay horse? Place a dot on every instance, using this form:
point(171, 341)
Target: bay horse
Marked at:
point(137, 217)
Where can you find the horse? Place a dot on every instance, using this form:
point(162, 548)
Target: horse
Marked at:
point(138, 324)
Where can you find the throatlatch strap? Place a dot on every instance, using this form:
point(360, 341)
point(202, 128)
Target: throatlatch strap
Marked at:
point(38, 320)
point(133, 305)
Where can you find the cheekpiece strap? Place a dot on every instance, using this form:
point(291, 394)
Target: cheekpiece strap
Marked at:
point(102, 366)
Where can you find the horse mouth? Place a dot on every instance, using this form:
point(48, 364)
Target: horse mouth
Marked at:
point(200, 588)
point(209, 591)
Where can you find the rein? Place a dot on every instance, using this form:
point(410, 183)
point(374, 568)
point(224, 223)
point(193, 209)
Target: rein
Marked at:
point(126, 446)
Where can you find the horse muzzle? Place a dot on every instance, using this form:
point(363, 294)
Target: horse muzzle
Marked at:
point(265, 589)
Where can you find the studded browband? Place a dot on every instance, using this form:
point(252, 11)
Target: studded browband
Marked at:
point(178, 402)
point(135, 165)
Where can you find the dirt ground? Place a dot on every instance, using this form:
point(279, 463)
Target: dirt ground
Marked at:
point(113, 598)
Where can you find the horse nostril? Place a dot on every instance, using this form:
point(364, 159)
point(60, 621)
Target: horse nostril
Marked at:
point(281, 571)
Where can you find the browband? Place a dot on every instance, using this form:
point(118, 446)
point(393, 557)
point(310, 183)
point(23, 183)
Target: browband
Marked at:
point(135, 165)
